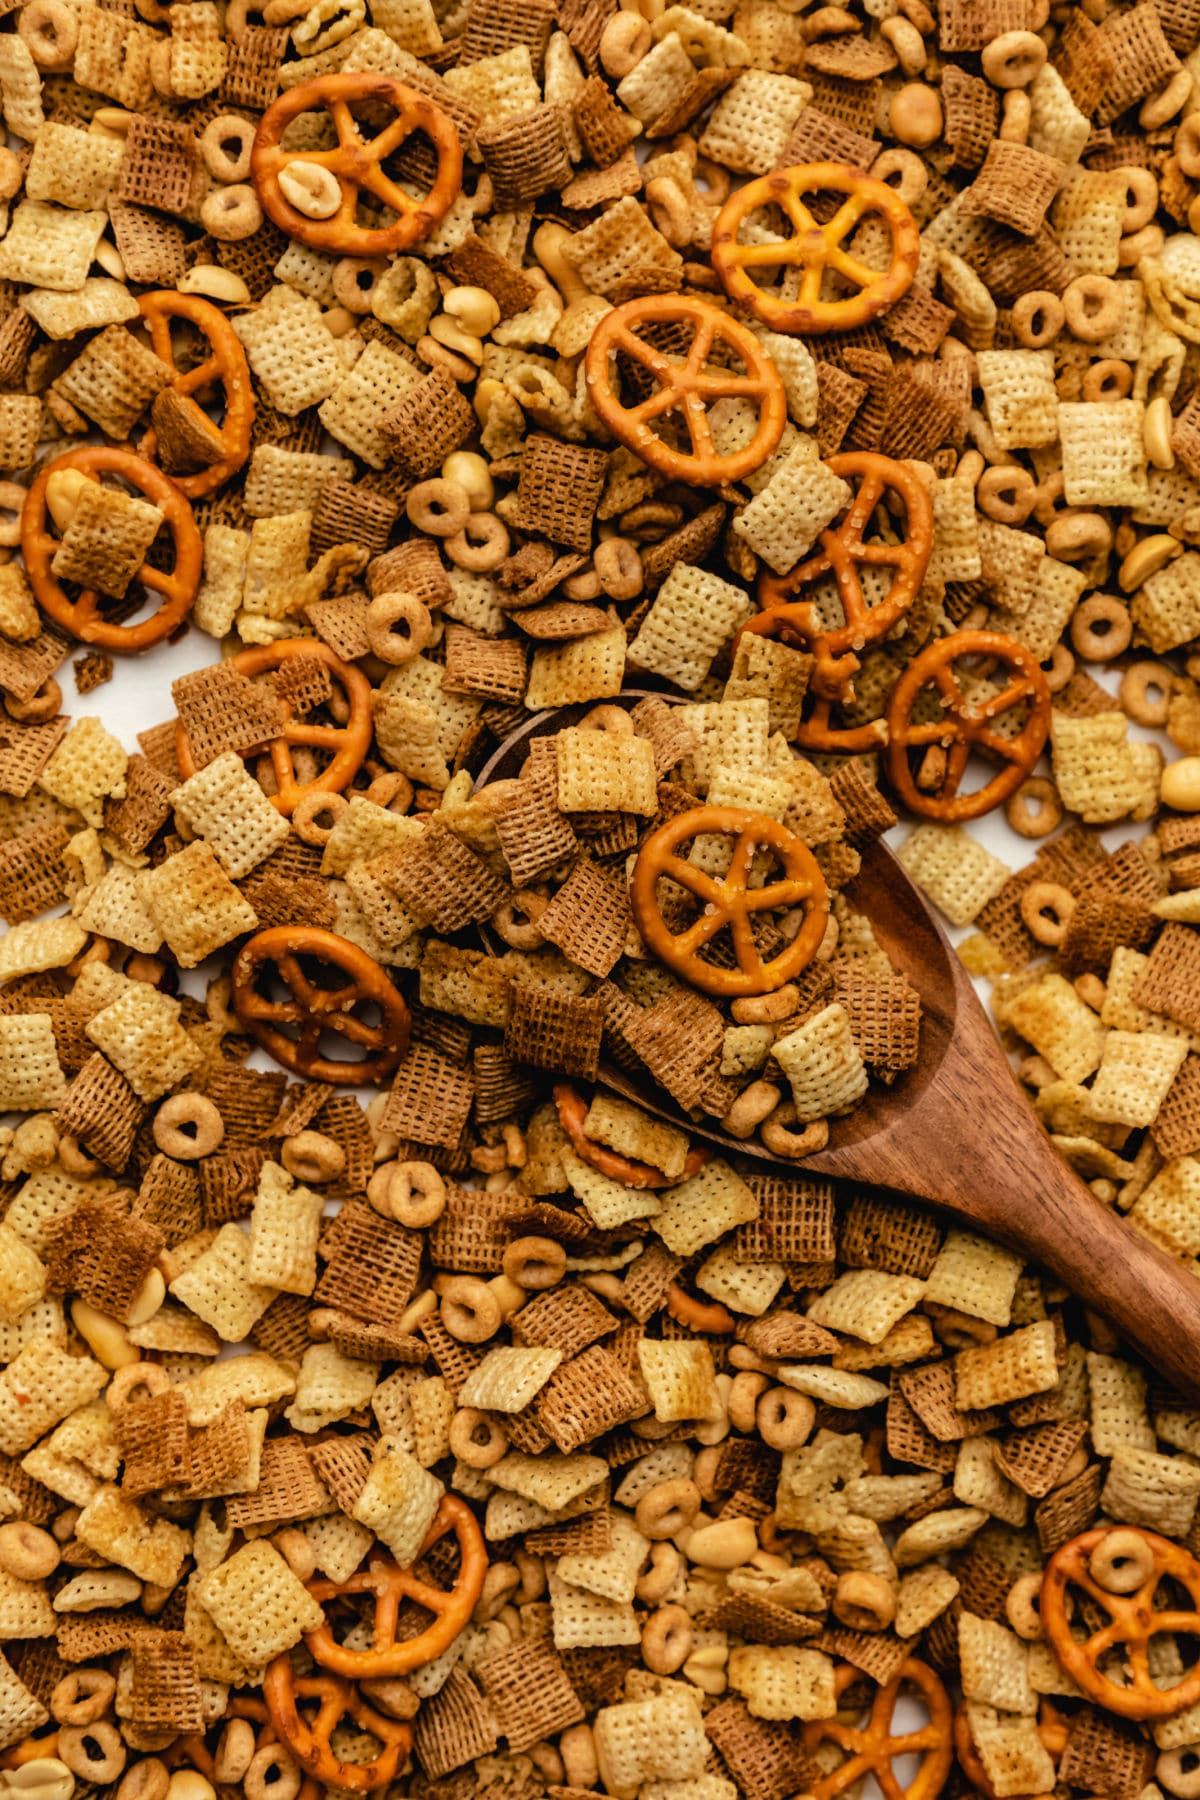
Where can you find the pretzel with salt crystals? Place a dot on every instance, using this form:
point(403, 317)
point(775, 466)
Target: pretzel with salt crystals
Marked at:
point(316, 1009)
point(967, 724)
point(729, 902)
point(227, 365)
point(349, 741)
point(389, 1586)
point(82, 616)
point(844, 553)
point(871, 1748)
point(815, 250)
point(684, 387)
point(357, 163)
point(1136, 1692)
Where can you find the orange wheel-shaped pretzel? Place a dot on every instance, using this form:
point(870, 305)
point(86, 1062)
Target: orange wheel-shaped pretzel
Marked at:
point(227, 365)
point(316, 1009)
point(390, 1585)
point(729, 901)
point(310, 1740)
point(572, 1111)
point(684, 387)
point(871, 1748)
point(349, 742)
point(1132, 1622)
point(815, 249)
point(358, 164)
point(843, 554)
point(965, 724)
point(82, 617)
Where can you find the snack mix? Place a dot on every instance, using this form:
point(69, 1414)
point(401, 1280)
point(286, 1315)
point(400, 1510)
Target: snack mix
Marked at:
point(626, 456)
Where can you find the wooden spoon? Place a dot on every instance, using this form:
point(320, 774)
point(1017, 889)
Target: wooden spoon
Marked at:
point(957, 1132)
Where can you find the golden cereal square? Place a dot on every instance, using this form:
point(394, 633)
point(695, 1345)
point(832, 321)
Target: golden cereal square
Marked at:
point(194, 903)
point(399, 1501)
point(141, 1035)
point(217, 1287)
point(258, 1605)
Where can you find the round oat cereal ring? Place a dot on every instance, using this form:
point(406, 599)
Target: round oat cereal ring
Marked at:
point(358, 164)
point(872, 1747)
point(728, 902)
point(349, 742)
point(844, 554)
point(815, 250)
point(1112, 1664)
point(390, 1586)
point(314, 1009)
point(82, 616)
point(681, 334)
point(310, 1738)
point(226, 365)
point(970, 717)
point(573, 1110)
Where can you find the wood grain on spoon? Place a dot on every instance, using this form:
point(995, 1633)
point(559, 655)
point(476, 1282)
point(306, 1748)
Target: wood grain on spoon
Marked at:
point(957, 1132)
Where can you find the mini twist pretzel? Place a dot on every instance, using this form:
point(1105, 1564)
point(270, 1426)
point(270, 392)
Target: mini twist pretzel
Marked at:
point(226, 365)
point(357, 164)
point(729, 902)
point(572, 1111)
point(349, 742)
point(310, 1741)
point(82, 617)
point(966, 724)
point(1132, 1622)
point(685, 387)
point(315, 1009)
point(390, 1585)
point(871, 1748)
point(815, 249)
point(842, 554)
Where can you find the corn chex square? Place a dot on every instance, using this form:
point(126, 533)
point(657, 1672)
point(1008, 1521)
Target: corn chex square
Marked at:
point(599, 772)
point(223, 804)
point(399, 1501)
point(703, 1208)
point(258, 1605)
point(141, 1035)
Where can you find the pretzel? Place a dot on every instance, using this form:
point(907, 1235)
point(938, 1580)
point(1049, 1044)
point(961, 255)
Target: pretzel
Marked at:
point(317, 1009)
point(389, 1585)
point(226, 365)
point(1132, 1622)
point(349, 742)
point(684, 387)
point(358, 164)
point(816, 732)
point(815, 249)
point(310, 1743)
point(843, 552)
point(572, 1110)
point(699, 1315)
point(967, 724)
point(871, 1747)
point(729, 901)
point(30, 1749)
point(1052, 1730)
point(82, 616)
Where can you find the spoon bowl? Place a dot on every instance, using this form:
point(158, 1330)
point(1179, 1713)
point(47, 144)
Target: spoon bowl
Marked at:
point(955, 1131)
